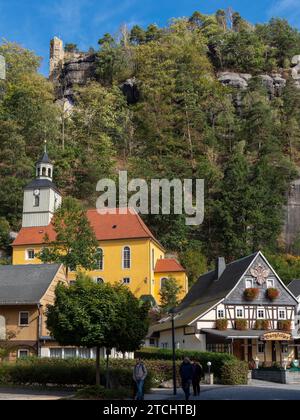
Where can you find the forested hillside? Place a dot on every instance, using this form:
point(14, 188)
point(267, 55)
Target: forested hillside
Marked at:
point(183, 124)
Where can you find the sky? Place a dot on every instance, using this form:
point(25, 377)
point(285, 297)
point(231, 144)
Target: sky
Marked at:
point(33, 23)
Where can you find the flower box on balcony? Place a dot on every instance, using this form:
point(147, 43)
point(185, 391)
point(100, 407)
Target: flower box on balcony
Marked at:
point(222, 324)
point(272, 294)
point(251, 294)
point(262, 325)
point(241, 324)
point(285, 326)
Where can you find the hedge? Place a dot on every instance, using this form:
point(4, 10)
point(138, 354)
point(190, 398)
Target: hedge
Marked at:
point(234, 373)
point(217, 359)
point(75, 372)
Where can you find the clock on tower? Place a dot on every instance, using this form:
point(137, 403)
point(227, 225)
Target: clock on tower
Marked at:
point(41, 196)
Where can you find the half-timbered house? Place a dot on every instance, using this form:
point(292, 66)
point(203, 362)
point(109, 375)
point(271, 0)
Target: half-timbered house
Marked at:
point(241, 308)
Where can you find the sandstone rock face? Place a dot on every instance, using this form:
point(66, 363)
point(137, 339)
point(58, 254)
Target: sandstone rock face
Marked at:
point(292, 216)
point(296, 70)
point(274, 83)
point(236, 80)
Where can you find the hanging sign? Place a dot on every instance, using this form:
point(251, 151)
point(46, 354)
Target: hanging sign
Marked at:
point(277, 336)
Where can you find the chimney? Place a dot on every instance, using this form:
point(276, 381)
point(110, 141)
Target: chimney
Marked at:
point(220, 267)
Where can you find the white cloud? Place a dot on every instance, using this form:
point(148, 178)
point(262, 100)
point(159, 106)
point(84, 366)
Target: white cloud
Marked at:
point(289, 9)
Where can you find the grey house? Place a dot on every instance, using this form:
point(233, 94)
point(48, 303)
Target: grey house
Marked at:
point(241, 308)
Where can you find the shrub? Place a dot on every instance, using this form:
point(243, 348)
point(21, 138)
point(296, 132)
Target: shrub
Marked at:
point(222, 324)
point(251, 294)
point(101, 393)
point(272, 294)
point(285, 325)
point(241, 324)
point(217, 359)
point(262, 324)
point(234, 372)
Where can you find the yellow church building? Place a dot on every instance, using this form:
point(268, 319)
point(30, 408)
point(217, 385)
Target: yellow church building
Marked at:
point(128, 252)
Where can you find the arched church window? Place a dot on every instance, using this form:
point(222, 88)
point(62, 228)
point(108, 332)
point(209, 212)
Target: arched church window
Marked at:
point(44, 171)
point(37, 201)
point(49, 173)
point(126, 257)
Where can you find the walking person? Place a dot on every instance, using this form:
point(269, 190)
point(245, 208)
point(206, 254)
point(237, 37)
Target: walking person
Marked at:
point(186, 374)
point(197, 375)
point(139, 375)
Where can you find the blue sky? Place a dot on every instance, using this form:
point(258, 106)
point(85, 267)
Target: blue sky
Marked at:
point(34, 22)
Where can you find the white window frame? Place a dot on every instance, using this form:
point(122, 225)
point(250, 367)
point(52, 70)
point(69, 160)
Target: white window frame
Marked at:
point(127, 283)
point(240, 308)
point(272, 283)
point(102, 261)
point(221, 316)
point(285, 314)
point(261, 344)
point(28, 258)
point(251, 283)
point(264, 313)
point(125, 248)
point(22, 350)
point(23, 312)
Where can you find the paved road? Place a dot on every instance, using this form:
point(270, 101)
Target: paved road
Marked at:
point(22, 394)
point(256, 391)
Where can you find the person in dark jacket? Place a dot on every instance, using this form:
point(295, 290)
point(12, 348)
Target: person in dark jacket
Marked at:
point(197, 375)
point(186, 374)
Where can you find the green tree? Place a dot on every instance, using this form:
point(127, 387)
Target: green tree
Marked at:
point(83, 315)
point(137, 35)
point(169, 294)
point(195, 262)
point(75, 245)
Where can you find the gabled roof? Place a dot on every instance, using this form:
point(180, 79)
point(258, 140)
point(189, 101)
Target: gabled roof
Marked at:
point(294, 287)
point(106, 227)
point(25, 284)
point(207, 292)
point(168, 265)
point(209, 288)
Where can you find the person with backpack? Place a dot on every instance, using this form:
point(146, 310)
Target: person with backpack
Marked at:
point(139, 375)
point(186, 374)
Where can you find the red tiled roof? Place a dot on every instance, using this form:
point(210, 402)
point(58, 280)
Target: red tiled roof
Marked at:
point(106, 227)
point(168, 266)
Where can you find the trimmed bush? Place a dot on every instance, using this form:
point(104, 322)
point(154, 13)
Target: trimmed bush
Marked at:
point(222, 324)
point(241, 324)
point(101, 393)
point(217, 359)
point(234, 373)
point(251, 294)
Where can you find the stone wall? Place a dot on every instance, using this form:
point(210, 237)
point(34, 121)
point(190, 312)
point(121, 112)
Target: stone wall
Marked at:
point(277, 376)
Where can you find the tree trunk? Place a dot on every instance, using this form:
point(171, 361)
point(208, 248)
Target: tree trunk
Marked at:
point(98, 366)
point(107, 369)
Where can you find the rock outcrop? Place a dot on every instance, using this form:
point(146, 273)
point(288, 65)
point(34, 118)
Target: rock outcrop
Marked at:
point(274, 83)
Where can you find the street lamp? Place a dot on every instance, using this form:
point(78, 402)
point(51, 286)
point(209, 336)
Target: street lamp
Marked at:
point(209, 367)
point(172, 313)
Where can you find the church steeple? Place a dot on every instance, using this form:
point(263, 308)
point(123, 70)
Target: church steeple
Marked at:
point(44, 167)
point(41, 196)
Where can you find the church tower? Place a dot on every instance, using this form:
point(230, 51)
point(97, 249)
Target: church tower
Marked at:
point(41, 196)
